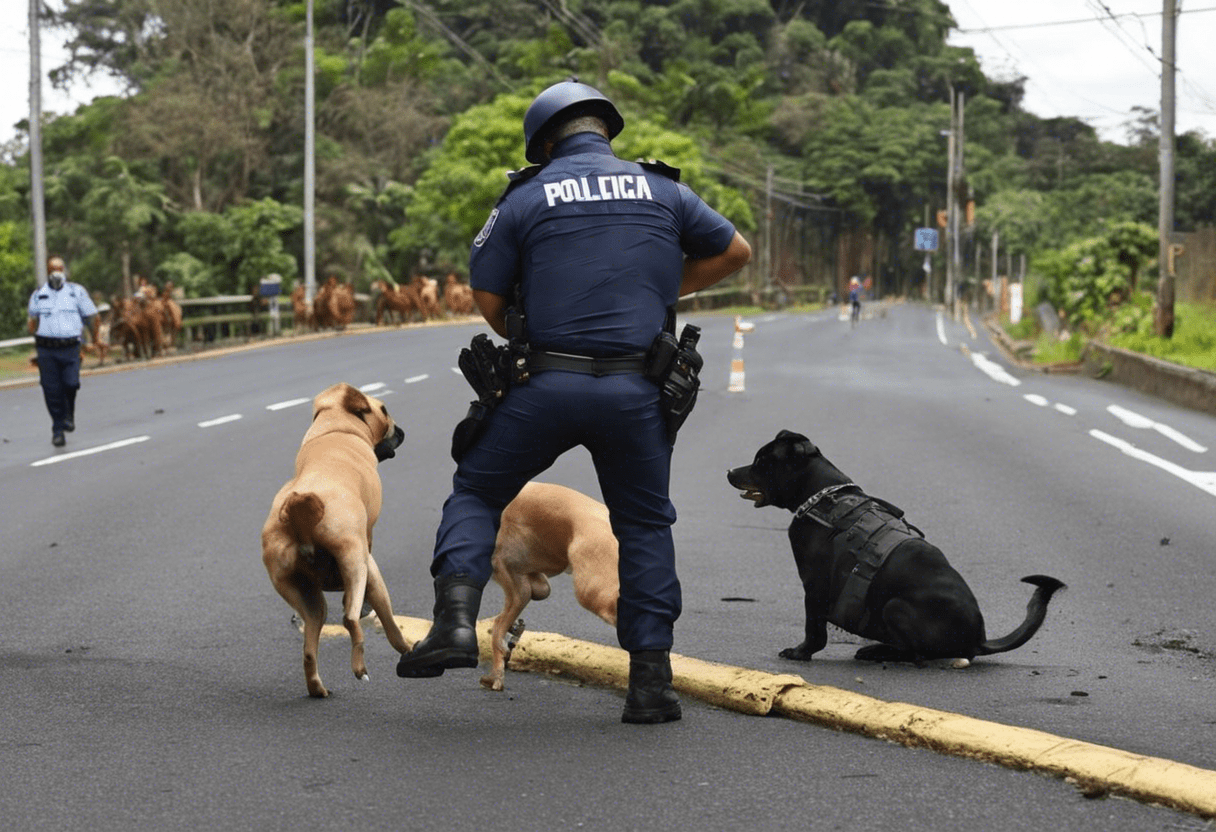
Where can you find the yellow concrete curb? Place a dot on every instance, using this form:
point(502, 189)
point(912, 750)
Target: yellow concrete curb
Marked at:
point(1095, 769)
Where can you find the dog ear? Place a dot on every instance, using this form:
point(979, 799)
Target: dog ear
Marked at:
point(799, 444)
point(356, 402)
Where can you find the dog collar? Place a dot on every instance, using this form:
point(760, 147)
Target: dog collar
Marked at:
point(806, 507)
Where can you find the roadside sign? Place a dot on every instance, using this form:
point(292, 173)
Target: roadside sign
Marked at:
point(926, 239)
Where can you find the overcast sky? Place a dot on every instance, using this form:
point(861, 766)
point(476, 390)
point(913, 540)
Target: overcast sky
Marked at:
point(1096, 69)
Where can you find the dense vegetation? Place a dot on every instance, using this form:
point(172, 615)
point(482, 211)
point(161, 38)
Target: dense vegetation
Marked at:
point(196, 175)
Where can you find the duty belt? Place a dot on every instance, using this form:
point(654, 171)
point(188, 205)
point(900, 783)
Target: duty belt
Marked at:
point(538, 361)
point(55, 343)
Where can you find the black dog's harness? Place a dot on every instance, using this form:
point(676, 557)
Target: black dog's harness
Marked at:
point(867, 531)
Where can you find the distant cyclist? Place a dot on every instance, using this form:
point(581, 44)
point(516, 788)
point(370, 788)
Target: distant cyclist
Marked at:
point(855, 300)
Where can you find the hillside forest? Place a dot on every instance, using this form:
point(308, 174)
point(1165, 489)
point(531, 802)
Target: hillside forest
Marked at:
point(817, 126)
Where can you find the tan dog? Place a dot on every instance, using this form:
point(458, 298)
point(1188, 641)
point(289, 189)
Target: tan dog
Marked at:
point(546, 530)
point(318, 536)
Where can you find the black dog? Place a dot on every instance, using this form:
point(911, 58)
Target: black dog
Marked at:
point(868, 571)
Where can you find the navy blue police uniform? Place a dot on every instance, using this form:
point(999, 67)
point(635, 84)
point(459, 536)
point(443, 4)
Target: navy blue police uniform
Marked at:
point(61, 314)
point(596, 245)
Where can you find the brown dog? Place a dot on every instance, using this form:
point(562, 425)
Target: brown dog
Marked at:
point(546, 530)
point(318, 536)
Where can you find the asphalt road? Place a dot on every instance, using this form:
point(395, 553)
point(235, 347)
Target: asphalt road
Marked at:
point(153, 681)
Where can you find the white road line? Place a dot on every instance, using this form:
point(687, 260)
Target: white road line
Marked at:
point(122, 443)
point(1035, 398)
point(288, 403)
point(994, 371)
point(1135, 420)
point(1204, 480)
point(223, 420)
point(941, 330)
point(368, 388)
point(457, 371)
point(416, 379)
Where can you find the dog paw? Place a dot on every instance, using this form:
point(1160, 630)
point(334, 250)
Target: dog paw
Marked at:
point(959, 664)
point(492, 682)
point(364, 678)
point(798, 654)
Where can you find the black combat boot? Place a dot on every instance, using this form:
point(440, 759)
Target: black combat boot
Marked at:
point(651, 697)
point(452, 641)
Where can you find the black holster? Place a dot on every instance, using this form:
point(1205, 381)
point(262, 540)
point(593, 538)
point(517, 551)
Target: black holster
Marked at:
point(675, 366)
point(487, 369)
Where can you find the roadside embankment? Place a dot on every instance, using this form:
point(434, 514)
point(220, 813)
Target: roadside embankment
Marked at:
point(1181, 385)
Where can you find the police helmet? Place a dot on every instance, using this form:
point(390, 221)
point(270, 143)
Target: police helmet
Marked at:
point(559, 103)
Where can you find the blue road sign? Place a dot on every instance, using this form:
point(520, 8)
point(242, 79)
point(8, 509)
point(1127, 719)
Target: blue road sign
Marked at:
point(926, 239)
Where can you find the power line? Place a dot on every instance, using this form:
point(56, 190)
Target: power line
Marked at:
point(984, 30)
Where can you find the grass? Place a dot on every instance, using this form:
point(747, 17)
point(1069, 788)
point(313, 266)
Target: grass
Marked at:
point(15, 362)
point(1193, 343)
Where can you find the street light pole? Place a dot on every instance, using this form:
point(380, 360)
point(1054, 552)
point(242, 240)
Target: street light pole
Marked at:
point(310, 244)
point(1164, 313)
point(37, 206)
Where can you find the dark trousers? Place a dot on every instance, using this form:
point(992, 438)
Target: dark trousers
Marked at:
point(617, 419)
point(59, 374)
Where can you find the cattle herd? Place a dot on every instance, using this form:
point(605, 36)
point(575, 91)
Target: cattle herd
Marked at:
point(149, 323)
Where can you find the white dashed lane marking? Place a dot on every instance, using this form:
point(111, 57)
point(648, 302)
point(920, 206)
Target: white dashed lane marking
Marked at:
point(223, 420)
point(286, 404)
point(1205, 480)
point(122, 443)
point(416, 379)
point(1135, 420)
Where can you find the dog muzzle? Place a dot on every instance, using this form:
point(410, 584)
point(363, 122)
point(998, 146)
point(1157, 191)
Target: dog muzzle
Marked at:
point(386, 448)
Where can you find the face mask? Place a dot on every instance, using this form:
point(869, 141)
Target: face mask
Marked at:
point(56, 280)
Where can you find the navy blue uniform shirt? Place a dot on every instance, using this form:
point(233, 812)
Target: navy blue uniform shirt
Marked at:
point(599, 244)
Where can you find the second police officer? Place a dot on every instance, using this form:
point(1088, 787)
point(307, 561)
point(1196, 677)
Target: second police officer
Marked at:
point(595, 251)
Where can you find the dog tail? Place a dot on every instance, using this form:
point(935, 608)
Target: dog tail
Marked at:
point(301, 513)
point(1036, 611)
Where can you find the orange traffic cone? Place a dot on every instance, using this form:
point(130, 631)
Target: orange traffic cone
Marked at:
point(736, 362)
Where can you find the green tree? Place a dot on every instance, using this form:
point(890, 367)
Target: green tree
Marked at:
point(454, 195)
point(121, 207)
point(16, 278)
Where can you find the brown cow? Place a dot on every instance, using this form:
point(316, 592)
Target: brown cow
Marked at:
point(136, 327)
point(428, 297)
point(171, 315)
point(302, 317)
point(457, 296)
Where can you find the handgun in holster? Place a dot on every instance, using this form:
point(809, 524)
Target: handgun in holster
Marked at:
point(675, 365)
point(487, 369)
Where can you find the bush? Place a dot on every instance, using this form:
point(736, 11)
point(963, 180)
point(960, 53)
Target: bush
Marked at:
point(1091, 277)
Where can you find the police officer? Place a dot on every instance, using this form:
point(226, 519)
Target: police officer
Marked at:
point(598, 249)
point(58, 311)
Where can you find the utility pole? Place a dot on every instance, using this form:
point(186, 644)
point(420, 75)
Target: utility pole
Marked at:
point(768, 232)
point(953, 180)
point(948, 293)
point(310, 166)
point(1163, 317)
point(37, 205)
point(997, 290)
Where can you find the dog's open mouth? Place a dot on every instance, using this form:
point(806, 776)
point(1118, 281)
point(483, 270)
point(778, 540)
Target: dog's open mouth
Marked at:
point(750, 491)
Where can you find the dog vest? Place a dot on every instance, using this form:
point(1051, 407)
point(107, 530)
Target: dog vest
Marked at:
point(867, 531)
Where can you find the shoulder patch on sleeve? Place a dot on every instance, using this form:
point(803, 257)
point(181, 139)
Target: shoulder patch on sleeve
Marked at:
point(519, 177)
point(661, 168)
point(484, 234)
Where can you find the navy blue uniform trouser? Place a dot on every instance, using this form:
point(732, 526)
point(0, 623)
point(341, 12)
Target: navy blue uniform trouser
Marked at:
point(617, 418)
point(59, 374)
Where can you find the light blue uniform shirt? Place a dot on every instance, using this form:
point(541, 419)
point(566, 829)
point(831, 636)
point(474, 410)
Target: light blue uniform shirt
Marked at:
point(61, 313)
